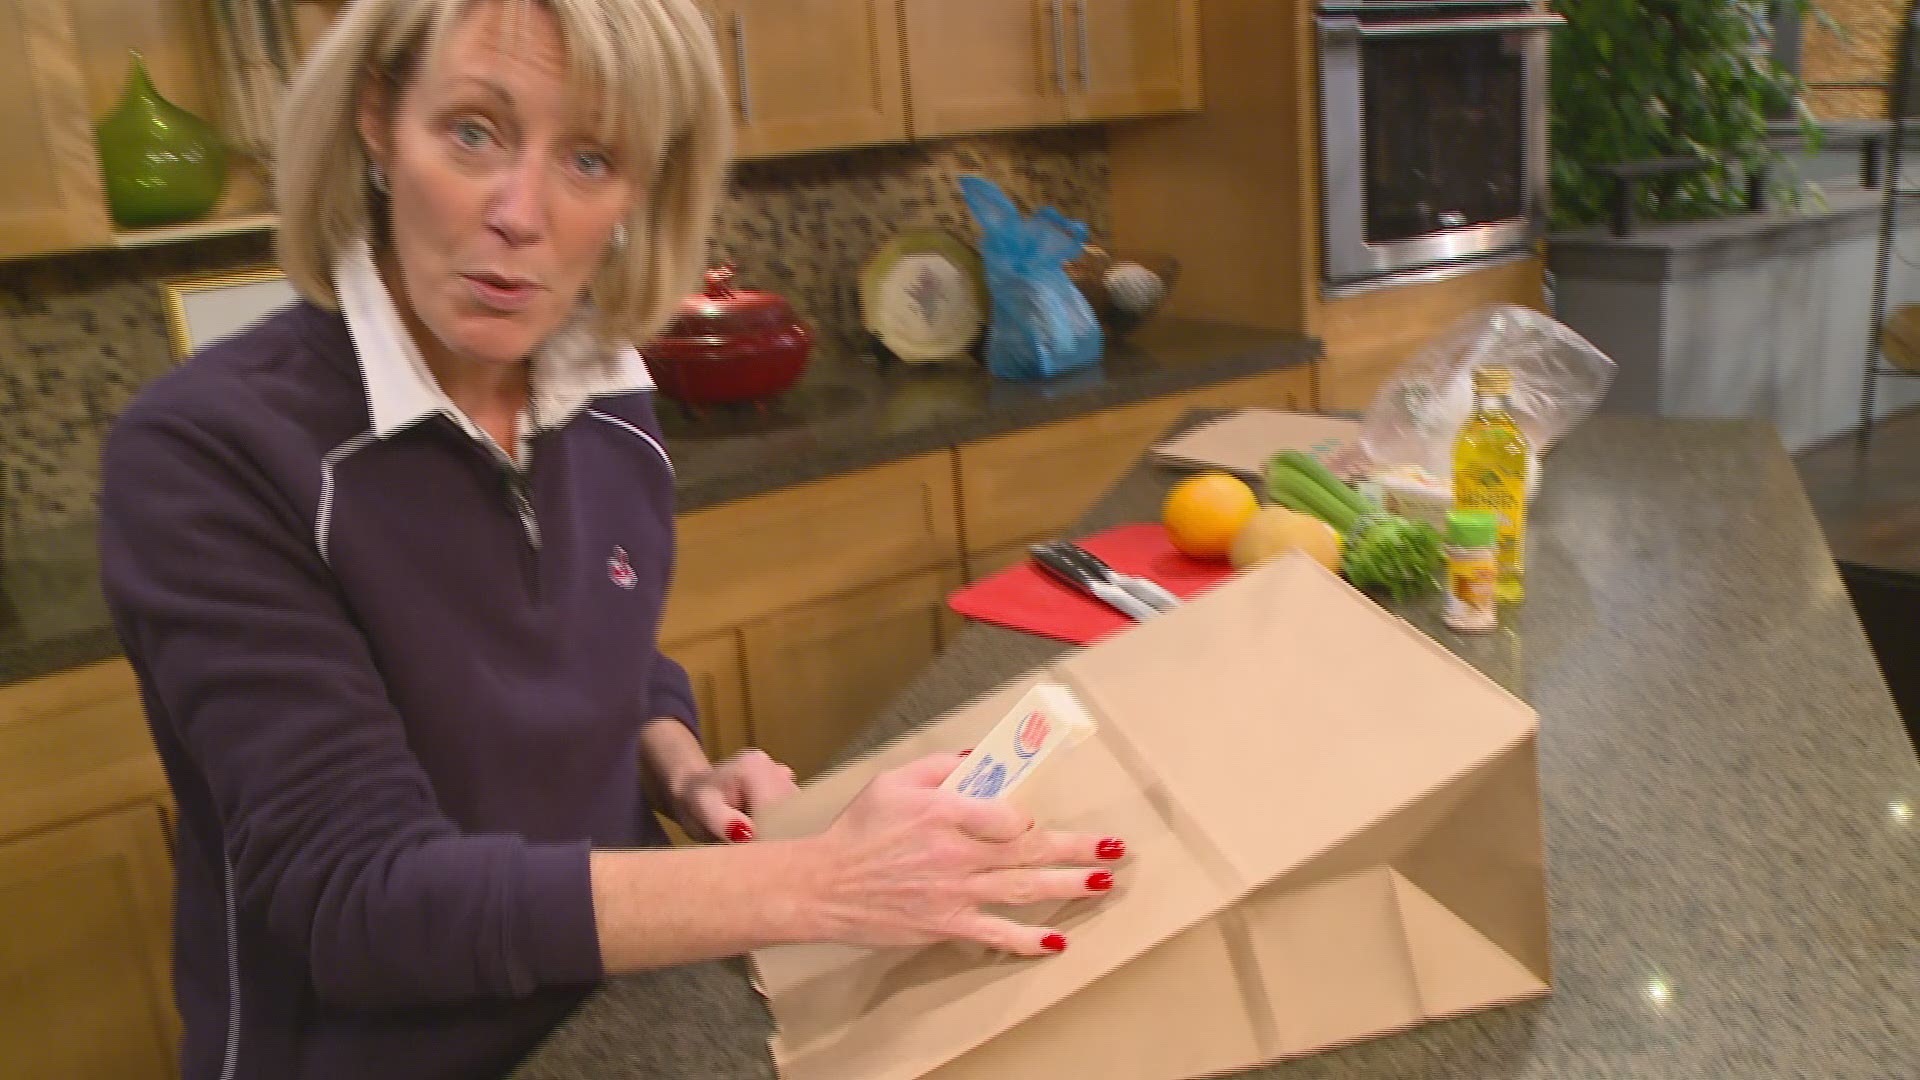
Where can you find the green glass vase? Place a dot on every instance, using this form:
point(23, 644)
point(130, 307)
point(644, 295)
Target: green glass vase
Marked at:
point(162, 164)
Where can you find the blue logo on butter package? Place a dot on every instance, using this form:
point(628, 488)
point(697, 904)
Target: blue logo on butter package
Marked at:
point(1047, 719)
point(987, 779)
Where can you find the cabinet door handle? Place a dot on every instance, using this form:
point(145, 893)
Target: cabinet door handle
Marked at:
point(1086, 51)
point(740, 68)
point(1057, 16)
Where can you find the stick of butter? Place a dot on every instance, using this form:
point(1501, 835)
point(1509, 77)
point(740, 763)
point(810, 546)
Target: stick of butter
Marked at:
point(1047, 720)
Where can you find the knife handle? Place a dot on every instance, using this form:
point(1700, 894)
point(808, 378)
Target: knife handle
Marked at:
point(1077, 576)
point(1154, 593)
point(1142, 588)
point(1124, 602)
point(1063, 566)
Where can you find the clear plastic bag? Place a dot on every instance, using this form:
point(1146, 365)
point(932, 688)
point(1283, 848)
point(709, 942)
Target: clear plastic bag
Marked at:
point(1042, 325)
point(1558, 380)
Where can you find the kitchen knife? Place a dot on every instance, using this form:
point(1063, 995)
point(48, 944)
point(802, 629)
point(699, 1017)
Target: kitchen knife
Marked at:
point(1145, 589)
point(1076, 575)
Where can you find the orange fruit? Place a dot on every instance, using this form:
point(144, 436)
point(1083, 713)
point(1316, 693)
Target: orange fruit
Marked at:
point(1204, 513)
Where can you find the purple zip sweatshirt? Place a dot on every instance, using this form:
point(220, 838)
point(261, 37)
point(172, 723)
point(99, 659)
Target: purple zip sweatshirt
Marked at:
point(397, 687)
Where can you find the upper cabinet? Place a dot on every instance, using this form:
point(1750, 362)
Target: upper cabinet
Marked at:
point(63, 66)
point(985, 64)
point(802, 76)
point(1133, 57)
point(992, 64)
point(806, 75)
point(51, 195)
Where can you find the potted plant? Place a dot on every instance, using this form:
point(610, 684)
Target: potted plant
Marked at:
point(1634, 80)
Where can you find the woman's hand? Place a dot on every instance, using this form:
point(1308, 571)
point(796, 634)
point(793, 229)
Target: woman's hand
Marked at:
point(909, 864)
point(711, 802)
point(717, 803)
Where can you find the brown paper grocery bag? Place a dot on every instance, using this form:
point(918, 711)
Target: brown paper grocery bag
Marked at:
point(1333, 831)
point(1243, 442)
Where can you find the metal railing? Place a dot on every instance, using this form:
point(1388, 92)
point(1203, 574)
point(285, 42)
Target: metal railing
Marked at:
point(1870, 137)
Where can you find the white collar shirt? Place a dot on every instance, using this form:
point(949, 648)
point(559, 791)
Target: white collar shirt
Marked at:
point(566, 372)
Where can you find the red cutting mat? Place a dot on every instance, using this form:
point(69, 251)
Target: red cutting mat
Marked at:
point(1024, 598)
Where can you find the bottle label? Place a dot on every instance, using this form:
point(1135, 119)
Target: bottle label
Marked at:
point(1473, 575)
point(1501, 494)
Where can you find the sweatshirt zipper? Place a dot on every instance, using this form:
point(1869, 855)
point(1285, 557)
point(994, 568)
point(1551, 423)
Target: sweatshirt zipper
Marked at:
point(520, 496)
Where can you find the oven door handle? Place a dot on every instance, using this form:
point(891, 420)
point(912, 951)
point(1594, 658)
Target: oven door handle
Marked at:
point(1437, 27)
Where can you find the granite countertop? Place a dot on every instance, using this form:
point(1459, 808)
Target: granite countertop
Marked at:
point(52, 615)
point(1732, 809)
point(845, 414)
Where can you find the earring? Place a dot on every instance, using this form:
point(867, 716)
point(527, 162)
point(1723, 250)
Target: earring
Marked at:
point(377, 177)
point(619, 235)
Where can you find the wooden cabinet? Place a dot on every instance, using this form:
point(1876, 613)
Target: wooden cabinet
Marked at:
point(84, 956)
point(990, 64)
point(985, 64)
point(1133, 57)
point(826, 538)
point(818, 674)
point(72, 744)
point(63, 66)
point(1370, 335)
point(986, 563)
point(820, 599)
point(85, 882)
point(812, 74)
point(51, 194)
point(1033, 484)
point(803, 76)
point(717, 670)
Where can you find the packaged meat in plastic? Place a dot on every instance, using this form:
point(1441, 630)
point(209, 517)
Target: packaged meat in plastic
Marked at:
point(1558, 380)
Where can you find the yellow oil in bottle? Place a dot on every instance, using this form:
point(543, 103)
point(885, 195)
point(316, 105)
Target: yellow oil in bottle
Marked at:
point(1490, 473)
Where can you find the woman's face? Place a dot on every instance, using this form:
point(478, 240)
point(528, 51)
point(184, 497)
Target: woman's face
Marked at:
point(503, 203)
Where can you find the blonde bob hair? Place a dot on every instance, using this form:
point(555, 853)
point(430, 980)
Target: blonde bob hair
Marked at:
point(649, 66)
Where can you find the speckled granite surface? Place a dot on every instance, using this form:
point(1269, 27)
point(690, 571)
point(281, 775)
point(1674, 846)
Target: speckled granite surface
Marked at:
point(846, 414)
point(52, 615)
point(1732, 809)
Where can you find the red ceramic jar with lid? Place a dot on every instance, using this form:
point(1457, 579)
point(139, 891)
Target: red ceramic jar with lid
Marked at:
point(729, 345)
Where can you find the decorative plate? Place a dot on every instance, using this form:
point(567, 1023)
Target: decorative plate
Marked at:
point(924, 295)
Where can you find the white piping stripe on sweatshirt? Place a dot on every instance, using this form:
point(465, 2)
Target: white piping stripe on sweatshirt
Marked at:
point(231, 1067)
point(324, 517)
point(619, 423)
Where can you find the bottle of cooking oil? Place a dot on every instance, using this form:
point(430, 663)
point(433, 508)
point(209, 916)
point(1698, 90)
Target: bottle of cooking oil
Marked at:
point(1490, 473)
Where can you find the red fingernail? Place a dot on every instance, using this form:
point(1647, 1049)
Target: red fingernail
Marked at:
point(1099, 881)
point(1111, 849)
point(964, 753)
point(1054, 943)
point(739, 832)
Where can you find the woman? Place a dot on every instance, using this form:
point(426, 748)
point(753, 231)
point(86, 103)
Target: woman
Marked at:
point(390, 565)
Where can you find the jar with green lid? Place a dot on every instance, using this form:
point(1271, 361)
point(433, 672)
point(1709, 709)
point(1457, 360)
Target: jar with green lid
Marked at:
point(1473, 571)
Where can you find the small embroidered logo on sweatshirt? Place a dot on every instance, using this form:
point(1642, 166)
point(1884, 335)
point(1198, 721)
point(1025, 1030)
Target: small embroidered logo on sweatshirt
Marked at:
point(620, 570)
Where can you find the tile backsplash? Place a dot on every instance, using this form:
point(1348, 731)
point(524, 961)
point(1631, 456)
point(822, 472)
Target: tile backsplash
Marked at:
point(79, 334)
point(805, 227)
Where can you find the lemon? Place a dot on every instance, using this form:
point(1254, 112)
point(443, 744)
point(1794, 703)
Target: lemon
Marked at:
point(1275, 530)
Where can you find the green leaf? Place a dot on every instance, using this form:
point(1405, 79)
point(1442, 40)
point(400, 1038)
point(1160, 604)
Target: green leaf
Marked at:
point(1633, 79)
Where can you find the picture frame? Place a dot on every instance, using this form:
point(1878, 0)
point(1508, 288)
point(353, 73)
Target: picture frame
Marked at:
point(206, 308)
